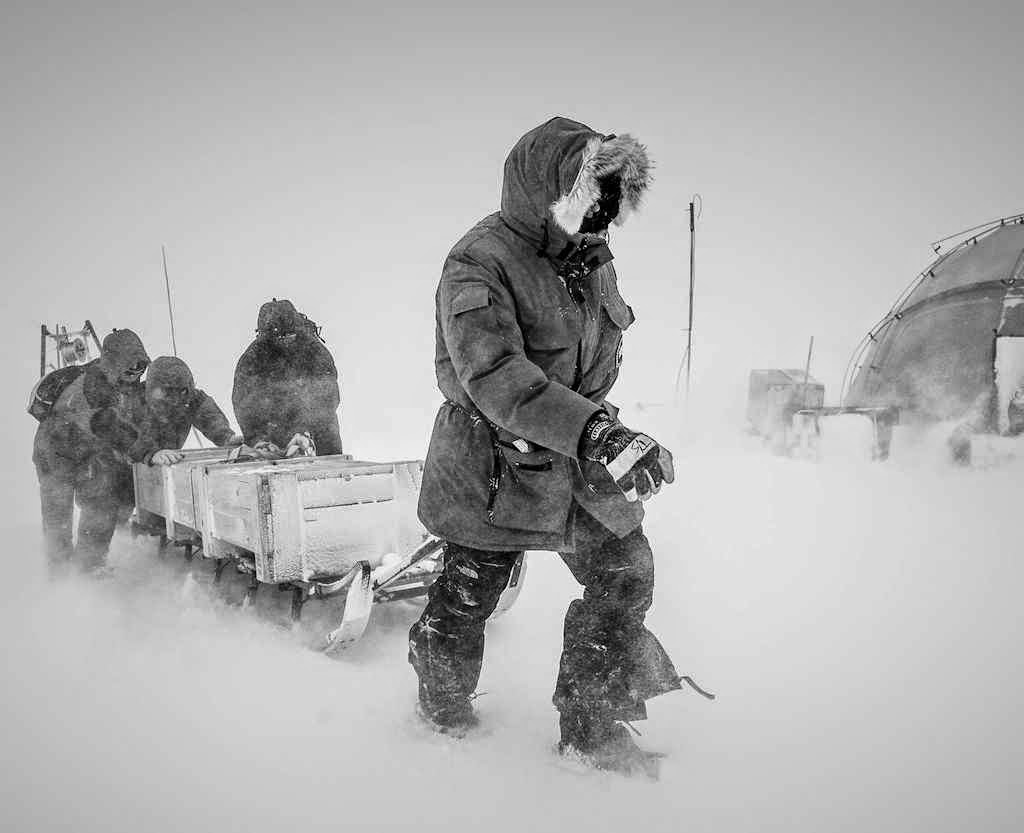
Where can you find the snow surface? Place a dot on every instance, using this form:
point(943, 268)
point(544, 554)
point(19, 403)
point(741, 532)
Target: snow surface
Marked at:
point(859, 623)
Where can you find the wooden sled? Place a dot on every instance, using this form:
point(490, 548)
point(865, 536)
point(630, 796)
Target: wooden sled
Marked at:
point(319, 528)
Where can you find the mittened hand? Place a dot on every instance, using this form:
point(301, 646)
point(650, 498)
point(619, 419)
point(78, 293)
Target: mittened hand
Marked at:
point(166, 457)
point(636, 462)
point(301, 445)
point(267, 450)
point(262, 450)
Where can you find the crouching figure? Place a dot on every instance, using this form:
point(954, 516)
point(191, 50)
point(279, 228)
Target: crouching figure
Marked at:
point(285, 392)
point(173, 407)
point(86, 428)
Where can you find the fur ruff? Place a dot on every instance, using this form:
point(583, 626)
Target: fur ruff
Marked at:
point(623, 155)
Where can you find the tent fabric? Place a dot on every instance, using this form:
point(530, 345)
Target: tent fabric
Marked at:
point(992, 257)
point(933, 358)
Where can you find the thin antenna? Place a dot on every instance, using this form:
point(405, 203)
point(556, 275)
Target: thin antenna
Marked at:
point(170, 315)
point(688, 353)
point(170, 306)
point(807, 370)
point(689, 324)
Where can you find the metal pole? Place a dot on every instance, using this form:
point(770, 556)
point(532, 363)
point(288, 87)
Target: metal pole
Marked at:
point(42, 350)
point(92, 332)
point(689, 325)
point(807, 370)
point(170, 306)
point(170, 315)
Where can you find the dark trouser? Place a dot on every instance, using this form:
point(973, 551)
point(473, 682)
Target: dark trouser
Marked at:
point(610, 662)
point(103, 490)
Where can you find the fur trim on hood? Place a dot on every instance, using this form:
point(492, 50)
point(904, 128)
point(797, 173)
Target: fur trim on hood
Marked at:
point(622, 155)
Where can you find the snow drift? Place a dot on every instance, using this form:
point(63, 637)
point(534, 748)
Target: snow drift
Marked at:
point(860, 624)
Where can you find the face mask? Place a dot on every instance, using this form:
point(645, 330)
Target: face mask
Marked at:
point(606, 209)
point(132, 373)
point(277, 335)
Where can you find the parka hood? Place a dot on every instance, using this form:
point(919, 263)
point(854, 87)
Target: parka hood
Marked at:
point(282, 318)
point(278, 314)
point(121, 351)
point(553, 175)
point(169, 372)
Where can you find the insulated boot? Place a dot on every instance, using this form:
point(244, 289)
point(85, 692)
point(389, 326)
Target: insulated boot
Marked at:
point(455, 720)
point(607, 746)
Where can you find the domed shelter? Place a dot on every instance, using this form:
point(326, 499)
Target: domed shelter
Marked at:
point(952, 347)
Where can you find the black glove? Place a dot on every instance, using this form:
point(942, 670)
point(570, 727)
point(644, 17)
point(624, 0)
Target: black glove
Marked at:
point(637, 464)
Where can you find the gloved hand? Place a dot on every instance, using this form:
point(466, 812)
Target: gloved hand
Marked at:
point(263, 450)
point(166, 457)
point(636, 463)
point(234, 440)
point(300, 445)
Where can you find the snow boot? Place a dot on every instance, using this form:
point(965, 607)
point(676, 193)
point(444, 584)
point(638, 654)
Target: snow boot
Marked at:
point(608, 747)
point(455, 721)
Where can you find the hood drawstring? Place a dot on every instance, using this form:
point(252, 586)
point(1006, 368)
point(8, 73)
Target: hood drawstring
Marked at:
point(545, 239)
point(702, 692)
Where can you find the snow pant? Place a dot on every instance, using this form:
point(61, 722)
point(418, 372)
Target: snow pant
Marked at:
point(610, 665)
point(104, 492)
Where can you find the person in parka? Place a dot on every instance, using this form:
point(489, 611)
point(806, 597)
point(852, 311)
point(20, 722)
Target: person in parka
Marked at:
point(526, 453)
point(174, 406)
point(81, 450)
point(286, 384)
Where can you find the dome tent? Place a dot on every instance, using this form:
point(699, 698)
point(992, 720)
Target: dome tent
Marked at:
point(952, 347)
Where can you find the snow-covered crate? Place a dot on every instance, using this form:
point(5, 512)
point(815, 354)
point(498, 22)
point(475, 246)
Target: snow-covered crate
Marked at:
point(164, 495)
point(309, 518)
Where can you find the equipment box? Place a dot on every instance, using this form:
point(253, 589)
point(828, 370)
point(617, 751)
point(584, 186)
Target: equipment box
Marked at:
point(308, 518)
point(775, 395)
point(164, 496)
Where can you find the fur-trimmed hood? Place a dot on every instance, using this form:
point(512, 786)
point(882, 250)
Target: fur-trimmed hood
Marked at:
point(553, 173)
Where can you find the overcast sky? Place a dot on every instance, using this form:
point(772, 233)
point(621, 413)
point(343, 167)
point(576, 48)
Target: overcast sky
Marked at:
point(333, 157)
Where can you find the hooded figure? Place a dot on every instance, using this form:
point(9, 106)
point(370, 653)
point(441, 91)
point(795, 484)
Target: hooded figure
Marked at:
point(286, 383)
point(526, 452)
point(81, 451)
point(174, 406)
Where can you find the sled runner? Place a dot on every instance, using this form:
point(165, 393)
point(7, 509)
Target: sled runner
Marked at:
point(321, 528)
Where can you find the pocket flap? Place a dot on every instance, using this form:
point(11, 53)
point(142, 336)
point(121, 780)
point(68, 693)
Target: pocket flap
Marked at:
point(469, 297)
point(619, 312)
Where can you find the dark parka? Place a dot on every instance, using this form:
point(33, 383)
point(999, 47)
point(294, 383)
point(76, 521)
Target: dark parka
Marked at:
point(518, 357)
point(167, 425)
point(280, 391)
point(81, 452)
point(95, 414)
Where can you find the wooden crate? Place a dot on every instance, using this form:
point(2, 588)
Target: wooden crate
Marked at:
point(308, 518)
point(164, 494)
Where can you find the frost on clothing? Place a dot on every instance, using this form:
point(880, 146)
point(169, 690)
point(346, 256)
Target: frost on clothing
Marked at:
point(81, 451)
point(286, 383)
point(529, 324)
point(611, 663)
point(174, 405)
